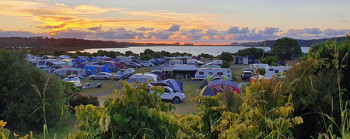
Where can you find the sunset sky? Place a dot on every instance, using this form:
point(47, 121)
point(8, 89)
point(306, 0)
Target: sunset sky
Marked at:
point(192, 21)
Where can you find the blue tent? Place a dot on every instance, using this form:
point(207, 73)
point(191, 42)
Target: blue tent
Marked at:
point(154, 61)
point(78, 62)
point(100, 68)
point(176, 85)
point(111, 66)
point(89, 70)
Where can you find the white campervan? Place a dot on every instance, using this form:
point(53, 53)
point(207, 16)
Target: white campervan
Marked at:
point(204, 72)
point(272, 71)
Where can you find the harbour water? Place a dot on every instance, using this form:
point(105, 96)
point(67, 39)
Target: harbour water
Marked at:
point(194, 50)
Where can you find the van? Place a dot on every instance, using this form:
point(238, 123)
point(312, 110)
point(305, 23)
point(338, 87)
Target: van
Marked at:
point(143, 77)
point(204, 72)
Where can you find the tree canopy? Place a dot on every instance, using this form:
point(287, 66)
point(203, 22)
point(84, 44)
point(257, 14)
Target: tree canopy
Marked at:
point(285, 48)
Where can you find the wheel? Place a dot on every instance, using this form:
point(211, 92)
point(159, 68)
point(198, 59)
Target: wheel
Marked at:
point(105, 78)
point(92, 78)
point(175, 100)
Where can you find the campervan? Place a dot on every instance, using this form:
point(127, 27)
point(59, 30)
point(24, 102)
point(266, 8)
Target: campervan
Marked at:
point(272, 71)
point(143, 78)
point(173, 62)
point(64, 72)
point(204, 72)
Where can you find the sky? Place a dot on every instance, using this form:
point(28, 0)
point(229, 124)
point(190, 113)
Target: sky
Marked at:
point(186, 21)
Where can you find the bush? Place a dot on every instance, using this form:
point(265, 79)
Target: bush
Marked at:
point(225, 64)
point(83, 99)
point(145, 57)
point(18, 99)
point(271, 60)
point(261, 71)
point(133, 112)
point(226, 56)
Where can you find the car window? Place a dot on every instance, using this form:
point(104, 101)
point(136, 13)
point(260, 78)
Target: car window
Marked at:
point(220, 73)
point(166, 90)
point(201, 73)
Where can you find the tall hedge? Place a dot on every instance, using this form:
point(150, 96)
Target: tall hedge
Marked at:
point(18, 100)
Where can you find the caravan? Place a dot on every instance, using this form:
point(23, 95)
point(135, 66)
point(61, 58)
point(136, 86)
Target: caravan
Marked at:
point(65, 72)
point(204, 72)
point(272, 71)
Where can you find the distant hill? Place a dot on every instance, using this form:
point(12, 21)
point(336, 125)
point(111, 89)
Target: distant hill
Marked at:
point(57, 44)
point(302, 43)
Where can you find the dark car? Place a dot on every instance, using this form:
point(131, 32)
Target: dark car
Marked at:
point(133, 65)
point(246, 75)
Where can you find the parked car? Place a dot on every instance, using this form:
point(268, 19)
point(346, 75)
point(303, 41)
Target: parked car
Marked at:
point(93, 85)
point(133, 65)
point(169, 93)
point(129, 72)
point(74, 79)
point(246, 75)
point(158, 72)
point(146, 64)
point(120, 75)
point(101, 76)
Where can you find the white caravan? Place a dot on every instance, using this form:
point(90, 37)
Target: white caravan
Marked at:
point(204, 72)
point(272, 71)
point(142, 78)
point(65, 72)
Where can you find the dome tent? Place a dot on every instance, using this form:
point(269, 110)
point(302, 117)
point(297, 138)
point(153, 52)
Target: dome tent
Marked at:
point(212, 78)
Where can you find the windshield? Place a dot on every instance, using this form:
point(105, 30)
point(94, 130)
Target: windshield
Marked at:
point(71, 80)
point(120, 73)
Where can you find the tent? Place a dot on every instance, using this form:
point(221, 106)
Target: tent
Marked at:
point(89, 70)
point(111, 66)
point(212, 78)
point(219, 85)
point(100, 68)
point(174, 84)
point(78, 62)
point(207, 91)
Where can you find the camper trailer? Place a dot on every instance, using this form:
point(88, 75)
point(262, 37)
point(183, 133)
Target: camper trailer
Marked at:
point(173, 62)
point(143, 77)
point(65, 72)
point(204, 72)
point(272, 71)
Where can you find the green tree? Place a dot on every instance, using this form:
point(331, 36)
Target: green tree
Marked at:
point(286, 48)
point(225, 64)
point(19, 104)
point(256, 52)
point(271, 60)
point(145, 57)
point(226, 56)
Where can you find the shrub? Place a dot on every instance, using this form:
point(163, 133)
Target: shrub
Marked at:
point(18, 100)
point(133, 112)
point(83, 99)
point(225, 64)
point(226, 56)
point(271, 60)
point(261, 71)
point(145, 57)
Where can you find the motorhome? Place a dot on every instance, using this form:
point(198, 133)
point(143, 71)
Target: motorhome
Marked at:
point(204, 72)
point(143, 78)
point(65, 72)
point(272, 71)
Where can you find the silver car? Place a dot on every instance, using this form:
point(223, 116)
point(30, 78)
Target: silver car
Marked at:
point(120, 75)
point(101, 76)
point(74, 80)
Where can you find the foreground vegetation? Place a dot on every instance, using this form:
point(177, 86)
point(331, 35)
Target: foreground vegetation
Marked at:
point(310, 102)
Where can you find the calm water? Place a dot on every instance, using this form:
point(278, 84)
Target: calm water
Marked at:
point(194, 50)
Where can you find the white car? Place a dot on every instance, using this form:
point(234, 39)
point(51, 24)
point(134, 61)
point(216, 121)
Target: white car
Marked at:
point(74, 79)
point(101, 76)
point(169, 93)
point(129, 72)
point(146, 64)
